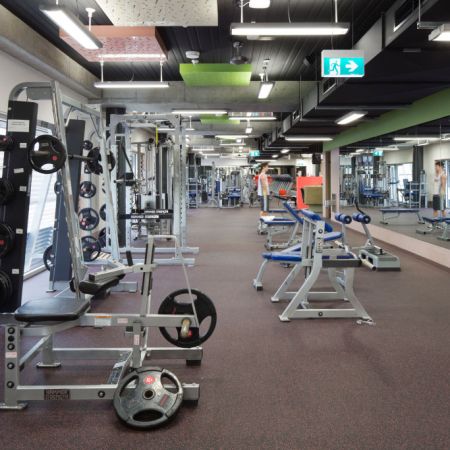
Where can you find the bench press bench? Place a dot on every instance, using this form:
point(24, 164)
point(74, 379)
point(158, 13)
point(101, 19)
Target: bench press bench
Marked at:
point(396, 212)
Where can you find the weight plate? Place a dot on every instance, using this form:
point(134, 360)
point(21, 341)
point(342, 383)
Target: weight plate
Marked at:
point(6, 288)
point(46, 154)
point(88, 219)
point(148, 398)
point(87, 189)
point(103, 212)
point(49, 258)
point(6, 143)
point(6, 191)
point(111, 162)
point(7, 237)
point(102, 237)
point(179, 303)
point(95, 166)
point(91, 248)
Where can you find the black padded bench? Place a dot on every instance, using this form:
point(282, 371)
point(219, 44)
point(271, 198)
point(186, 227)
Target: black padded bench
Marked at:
point(52, 309)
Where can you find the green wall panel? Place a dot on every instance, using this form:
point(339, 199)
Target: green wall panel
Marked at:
point(224, 119)
point(216, 74)
point(430, 108)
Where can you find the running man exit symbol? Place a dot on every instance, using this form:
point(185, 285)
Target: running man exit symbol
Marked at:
point(342, 63)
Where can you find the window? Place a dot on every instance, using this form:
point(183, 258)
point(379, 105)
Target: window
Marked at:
point(41, 213)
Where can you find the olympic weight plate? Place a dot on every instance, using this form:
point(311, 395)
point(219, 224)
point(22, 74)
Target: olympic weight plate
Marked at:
point(87, 189)
point(88, 219)
point(6, 288)
point(148, 398)
point(46, 154)
point(7, 237)
point(6, 191)
point(179, 303)
point(90, 248)
point(6, 143)
point(102, 237)
point(49, 258)
point(88, 145)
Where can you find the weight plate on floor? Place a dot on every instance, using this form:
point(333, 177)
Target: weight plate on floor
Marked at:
point(46, 154)
point(88, 219)
point(148, 397)
point(87, 189)
point(7, 237)
point(6, 143)
point(6, 191)
point(49, 258)
point(6, 288)
point(103, 212)
point(91, 248)
point(179, 303)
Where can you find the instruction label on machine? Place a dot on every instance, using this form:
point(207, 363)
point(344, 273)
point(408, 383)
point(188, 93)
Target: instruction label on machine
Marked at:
point(149, 214)
point(18, 126)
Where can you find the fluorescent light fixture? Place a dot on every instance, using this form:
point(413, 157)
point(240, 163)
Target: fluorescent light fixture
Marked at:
point(308, 138)
point(289, 29)
point(265, 89)
point(165, 129)
point(416, 138)
point(253, 119)
point(264, 160)
point(441, 33)
point(157, 56)
point(285, 151)
point(259, 4)
point(131, 85)
point(248, 130)
point(351, 117)
point(229, 144)
point(274, 156)
point(361, 150)
point(231, 136)
point(239, 141)
point(72, 26)
point(193, 112)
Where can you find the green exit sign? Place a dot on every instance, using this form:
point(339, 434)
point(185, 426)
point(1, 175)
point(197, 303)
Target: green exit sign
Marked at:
point(254, 153)
point(343, 64)
point(378, 153)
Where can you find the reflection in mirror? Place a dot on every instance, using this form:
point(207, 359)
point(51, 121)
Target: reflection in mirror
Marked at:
point(401, 180)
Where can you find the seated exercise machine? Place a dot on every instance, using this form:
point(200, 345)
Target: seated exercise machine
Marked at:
point(144, 397)
point(292, 254)
point(371, 255)
point(436, 224)
point(340, 264)
point(393, 213)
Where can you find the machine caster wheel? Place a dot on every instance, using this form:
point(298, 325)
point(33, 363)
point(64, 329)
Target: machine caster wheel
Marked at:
point(193, 362)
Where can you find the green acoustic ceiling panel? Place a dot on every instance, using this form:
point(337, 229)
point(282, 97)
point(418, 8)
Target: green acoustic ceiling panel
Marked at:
point(216, 74)
point(224, 119)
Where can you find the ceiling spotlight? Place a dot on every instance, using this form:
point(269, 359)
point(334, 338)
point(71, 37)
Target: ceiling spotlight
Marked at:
point(351, 117)
point(68, 22)
point(266, 86)
point(441, 33)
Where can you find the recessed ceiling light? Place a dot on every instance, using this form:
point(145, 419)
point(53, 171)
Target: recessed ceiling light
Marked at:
point(265, 89)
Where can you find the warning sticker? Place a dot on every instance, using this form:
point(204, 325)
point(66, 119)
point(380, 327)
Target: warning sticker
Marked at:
point(18, 126)
point(102, 321)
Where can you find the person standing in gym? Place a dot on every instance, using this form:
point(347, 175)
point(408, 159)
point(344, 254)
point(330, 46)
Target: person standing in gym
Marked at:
point(263, 189)
point(440, 182)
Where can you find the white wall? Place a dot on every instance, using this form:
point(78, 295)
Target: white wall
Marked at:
point(14, 72)
point(398, 157)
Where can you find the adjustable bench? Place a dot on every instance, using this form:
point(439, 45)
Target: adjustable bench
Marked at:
point(396, 212)
point(434, 223)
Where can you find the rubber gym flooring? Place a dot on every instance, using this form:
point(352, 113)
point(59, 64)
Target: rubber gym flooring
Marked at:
point(307, 384)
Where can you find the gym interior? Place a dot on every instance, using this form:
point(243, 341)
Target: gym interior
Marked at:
point(225, 224)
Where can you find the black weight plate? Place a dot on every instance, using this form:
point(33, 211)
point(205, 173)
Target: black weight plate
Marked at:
point(102, 238)
point(88, 219)
point(46, 154)
point(49, 257)
point(93, 164)
point(87, 189)
point(148, 398)
point(103, 212)
point(90, 248)
point(6, 143)
point(111, 162)
point(7, 237)
point(178, 303)
point(6, 191)
point(6, 288)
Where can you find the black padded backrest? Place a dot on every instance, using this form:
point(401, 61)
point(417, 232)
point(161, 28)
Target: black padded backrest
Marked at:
point(51, 310)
